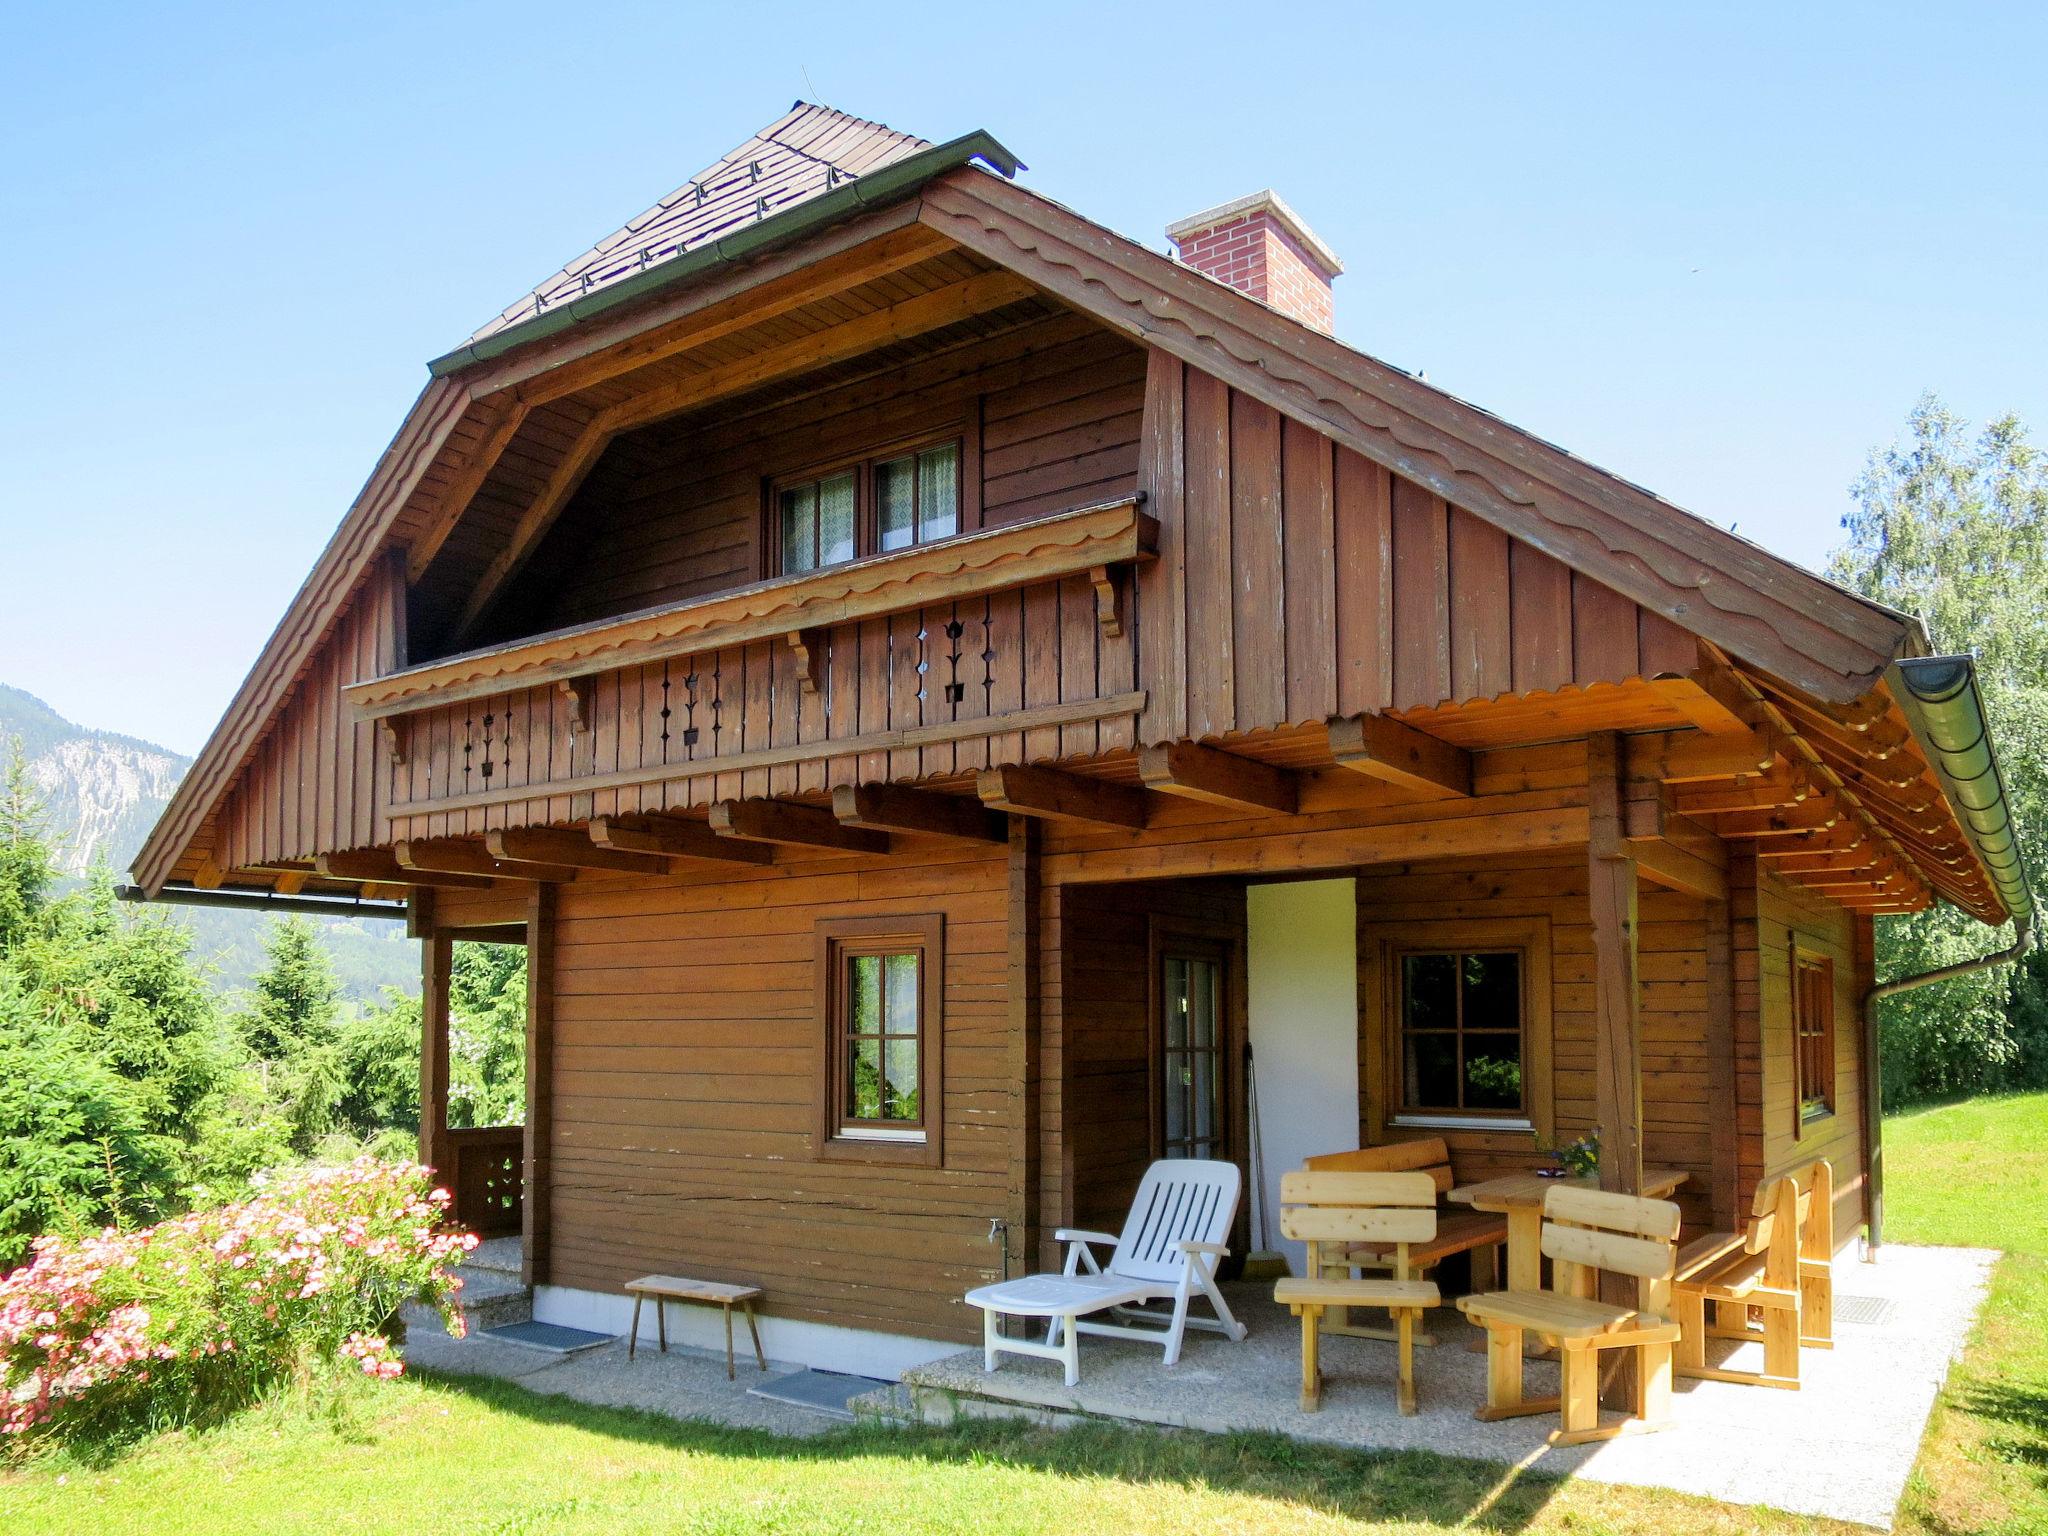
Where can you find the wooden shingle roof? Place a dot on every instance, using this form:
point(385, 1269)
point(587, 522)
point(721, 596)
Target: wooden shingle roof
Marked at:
point(805, 153)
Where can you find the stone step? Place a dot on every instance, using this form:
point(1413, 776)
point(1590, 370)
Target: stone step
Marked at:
point(489, 1299)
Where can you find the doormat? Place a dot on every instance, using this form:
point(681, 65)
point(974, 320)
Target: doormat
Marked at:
point(822, 1391)
point(551, 1337)
point(1869, 1311)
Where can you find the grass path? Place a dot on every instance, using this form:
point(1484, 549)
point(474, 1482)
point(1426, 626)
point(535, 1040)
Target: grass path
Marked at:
point(488, 1459)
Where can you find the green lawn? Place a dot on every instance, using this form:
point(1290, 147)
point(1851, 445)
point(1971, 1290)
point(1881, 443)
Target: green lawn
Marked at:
point(1976, 1174)
point(475, 1459)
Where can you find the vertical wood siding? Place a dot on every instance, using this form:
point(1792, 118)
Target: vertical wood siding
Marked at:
point(320, 780)
point(1297, 580)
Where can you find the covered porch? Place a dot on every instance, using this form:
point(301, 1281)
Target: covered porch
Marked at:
point(1840, 1448)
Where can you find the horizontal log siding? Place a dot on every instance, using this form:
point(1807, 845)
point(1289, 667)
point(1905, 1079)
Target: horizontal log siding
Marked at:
point(1298, 580)
point(1055, 406)
point(686, 1055)
point(1786, 914)
point(320, 781)
point(1672, 967)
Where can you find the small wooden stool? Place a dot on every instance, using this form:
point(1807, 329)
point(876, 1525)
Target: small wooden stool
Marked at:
point(667, 1288)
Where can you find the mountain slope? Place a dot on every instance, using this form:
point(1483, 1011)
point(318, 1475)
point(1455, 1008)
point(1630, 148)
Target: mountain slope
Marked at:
point(101, 794)
point(102, 791)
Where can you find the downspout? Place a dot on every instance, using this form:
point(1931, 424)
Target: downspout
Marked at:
point(1941, 702)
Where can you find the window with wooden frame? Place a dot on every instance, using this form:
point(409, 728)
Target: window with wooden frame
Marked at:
point(1813, 1036)
point(1457, 1019)
point(899, 497)
point(881, 1037)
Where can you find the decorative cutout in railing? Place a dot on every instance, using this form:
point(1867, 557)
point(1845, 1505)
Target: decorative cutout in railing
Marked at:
point(1037, 679)
point(485, 1179)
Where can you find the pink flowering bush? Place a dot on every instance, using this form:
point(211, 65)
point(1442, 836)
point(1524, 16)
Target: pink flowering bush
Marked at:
point(197, 1316)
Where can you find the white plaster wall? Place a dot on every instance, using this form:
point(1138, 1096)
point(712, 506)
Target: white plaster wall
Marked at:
point(1301, 962)
point(823, 1347)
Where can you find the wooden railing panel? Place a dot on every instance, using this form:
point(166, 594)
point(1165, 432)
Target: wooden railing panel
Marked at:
point(484, 1179)
point(927, 692)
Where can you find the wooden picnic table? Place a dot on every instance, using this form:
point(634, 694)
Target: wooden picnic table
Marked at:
point(1519, 1196)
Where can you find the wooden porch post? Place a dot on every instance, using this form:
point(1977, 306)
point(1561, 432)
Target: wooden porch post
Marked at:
point(1869, 1083)
point(437, 953)
point(1617, 1018)
point(1617, 998)
point(1022, 1185)
point(1721, 1097)
point(540, 1079)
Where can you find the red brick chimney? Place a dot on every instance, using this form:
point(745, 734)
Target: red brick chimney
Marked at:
point(1258, 245)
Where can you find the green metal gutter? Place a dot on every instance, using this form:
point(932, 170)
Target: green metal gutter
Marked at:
point(1941, 702)
point(878, 187)
point(1940, 698)
point(266, 901)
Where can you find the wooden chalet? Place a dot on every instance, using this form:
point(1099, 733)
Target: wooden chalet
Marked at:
point(930, 680)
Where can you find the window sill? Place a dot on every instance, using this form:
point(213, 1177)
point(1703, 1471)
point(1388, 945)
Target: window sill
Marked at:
point(917, 1151)
point(1513, 1125)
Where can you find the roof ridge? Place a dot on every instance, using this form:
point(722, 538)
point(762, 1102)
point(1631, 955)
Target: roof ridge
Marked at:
point(839, 147)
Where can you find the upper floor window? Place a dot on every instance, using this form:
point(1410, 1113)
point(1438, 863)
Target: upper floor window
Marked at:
point(870, 508)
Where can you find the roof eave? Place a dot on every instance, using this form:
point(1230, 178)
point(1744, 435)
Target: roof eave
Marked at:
point(877, 187)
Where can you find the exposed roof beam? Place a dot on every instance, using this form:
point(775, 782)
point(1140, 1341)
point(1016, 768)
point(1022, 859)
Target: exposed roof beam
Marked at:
point(1779, 787)
point(673, 837)
point(1681, 869)
point(793, 825)
point(461, 490)
point(1687, 757)
point(558, 845)
point(880, 257)
point(1780, 821)
point(380, 867)
point(898, 808)
point(898, 322)
point(1062, 796)
point(1836, 839)
point(1398, 754)
point(1219, 778)
point(454, 856)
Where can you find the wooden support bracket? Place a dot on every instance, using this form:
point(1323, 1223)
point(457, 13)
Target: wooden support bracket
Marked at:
point(575, 692)
point(1062, 796)
point(898, 808)
point(808, 647)
point(794, 825)
point(1219, 778)
point(1109, 600)
point(396, 731)
point(559, 846)
point(379, 866)
point(673, 837)
point(1384, 748)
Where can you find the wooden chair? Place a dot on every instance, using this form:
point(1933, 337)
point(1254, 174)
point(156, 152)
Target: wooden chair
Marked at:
point(1586, 1231)
point(1397, 1210)
point(1171, 1243)
point(1759, 1276)
point(1459, 1229)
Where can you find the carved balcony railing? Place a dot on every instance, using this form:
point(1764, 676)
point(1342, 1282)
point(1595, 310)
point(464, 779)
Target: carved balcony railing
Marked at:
point(484, 1178)
point(1010, 644)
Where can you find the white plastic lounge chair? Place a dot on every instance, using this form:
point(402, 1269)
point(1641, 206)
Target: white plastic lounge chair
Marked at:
point(1172, 1242)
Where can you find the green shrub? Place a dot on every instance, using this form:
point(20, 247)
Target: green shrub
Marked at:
point(197, 1316)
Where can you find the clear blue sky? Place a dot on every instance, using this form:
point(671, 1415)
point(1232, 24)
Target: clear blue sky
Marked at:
point(1720, 253)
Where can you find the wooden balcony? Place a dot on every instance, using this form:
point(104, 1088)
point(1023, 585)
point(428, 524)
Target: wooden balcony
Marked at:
point(1014, 644)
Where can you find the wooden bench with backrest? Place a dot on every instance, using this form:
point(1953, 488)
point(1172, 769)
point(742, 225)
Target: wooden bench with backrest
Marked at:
point(1759, 1275)
point(1586, 1231)
point(1817, 1255)
point(1396, 1210)
point(1459, 1229)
